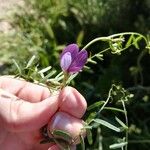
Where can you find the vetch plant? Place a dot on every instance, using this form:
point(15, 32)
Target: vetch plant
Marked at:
point(72, 61)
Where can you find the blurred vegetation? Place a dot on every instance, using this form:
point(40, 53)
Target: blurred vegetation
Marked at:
point(43, 28)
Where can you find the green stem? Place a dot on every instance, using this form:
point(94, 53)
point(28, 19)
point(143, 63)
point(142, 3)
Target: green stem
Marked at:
point(127, 124)
point(102, 108)
point(113, 36)
point(66, 76)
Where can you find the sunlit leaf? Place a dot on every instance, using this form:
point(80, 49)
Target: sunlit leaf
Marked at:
point(96, 104)
point(121, 123)
point(129, 42)
point(107, 124)
point(114, 109)
point(45, 69)
point(17, 66)
point(118, 145)
point(30, 61)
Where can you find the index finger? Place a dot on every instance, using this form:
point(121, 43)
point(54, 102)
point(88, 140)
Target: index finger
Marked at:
point(23, 89)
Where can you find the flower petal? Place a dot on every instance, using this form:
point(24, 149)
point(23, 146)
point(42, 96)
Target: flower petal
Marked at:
point(65, 61)
point(73, 49)
point(74, 69)
point(78, 63)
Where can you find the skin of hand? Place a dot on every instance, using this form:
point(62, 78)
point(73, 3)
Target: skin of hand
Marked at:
point(26, 107)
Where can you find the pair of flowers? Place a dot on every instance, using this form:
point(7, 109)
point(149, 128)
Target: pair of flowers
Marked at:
point(72, 60)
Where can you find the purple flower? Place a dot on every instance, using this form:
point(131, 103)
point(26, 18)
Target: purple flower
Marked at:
point(72, 60)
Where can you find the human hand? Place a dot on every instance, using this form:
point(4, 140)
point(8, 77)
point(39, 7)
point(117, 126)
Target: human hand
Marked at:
point(26, 107)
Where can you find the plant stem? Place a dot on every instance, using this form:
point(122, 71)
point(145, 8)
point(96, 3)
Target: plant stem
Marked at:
point(126, 118)
point(66, 76)
point(113, 36)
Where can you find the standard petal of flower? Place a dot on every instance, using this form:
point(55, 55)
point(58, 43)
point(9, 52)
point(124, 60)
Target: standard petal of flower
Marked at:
point(65, 61)
point(78, 62)
point(73, 49)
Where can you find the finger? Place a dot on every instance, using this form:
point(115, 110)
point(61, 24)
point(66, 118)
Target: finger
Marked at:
point(55, 147)
point(68, 123)
point(72, 102)
point(19, 115)
point(23, 89)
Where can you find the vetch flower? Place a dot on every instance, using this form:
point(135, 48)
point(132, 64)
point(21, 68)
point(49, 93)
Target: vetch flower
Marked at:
point(72, 60)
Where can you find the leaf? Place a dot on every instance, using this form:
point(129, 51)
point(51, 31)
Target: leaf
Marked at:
point(62, 134)
point(91, 61)
point(107, 124)
point(30, 61)
point(82, 142)
point(121, 123)
point(80, 38)
point(48, 76)
point(100, 57)
point(71, 77)
point(17, 66)
point(114, 109)
point(45, 69)
point(135, 42)
point(87, 127)
point(96, 104)
point(118, 145)
point(129, 42)
point(89, 136)
point(91, 116)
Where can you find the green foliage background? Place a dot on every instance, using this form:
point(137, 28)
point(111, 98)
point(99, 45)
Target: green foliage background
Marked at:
point(44, 27)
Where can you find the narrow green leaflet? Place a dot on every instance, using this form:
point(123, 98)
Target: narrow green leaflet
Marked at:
point(135, 42)
point(90, 117)
point(91, 61)
point(62, 134)
point(71, 78)
point(129, 42)
point(45, 69)
point(118, 145)
point(107, 124)
point(97, 104)
point(17, 66)
point(30, 61)
point(48, 75)
point(82, 142)
point(89, 136)
point(121, 123)
point(114, 109)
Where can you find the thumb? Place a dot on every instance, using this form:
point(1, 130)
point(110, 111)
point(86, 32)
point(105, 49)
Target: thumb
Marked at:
point(19, 115)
